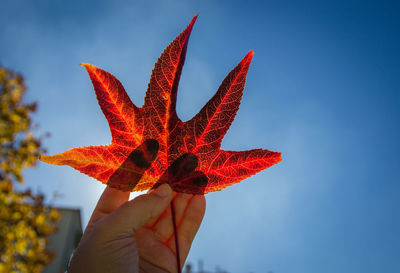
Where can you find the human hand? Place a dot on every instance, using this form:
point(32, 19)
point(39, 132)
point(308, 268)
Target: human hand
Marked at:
point(137, 236)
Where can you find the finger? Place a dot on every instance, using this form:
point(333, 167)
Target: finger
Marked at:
point(125, 179)
point(189, 225)
point(152, 222)
point(164, 227)
point(152, 251)
point(134, 214)
point(110, 200)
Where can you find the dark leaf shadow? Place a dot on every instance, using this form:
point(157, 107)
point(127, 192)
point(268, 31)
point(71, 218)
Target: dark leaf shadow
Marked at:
point(126, 177)
point(182, 176)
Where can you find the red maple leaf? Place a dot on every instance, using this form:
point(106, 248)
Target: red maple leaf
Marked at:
point(150, 141)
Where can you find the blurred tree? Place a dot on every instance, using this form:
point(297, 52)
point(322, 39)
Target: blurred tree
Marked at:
point(25, 223)
point(189, 268)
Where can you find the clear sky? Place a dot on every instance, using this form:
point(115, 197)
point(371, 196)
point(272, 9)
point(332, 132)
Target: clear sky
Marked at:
point(323, 89)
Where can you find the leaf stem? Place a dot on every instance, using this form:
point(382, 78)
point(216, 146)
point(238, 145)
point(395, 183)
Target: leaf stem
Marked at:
point(178, 256)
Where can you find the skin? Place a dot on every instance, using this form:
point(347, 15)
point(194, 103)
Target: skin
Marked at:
point(137, 235)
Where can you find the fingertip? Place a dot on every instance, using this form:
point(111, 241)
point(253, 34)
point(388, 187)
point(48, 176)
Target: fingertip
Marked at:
point(199, 198)
point(198, 202)
point(164, 191)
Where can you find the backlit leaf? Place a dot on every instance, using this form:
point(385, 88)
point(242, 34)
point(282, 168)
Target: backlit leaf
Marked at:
point(176, 141)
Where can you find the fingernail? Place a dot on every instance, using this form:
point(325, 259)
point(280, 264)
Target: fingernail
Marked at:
point(163, 191)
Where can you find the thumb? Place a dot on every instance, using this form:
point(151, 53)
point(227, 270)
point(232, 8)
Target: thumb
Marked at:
point(134, 214)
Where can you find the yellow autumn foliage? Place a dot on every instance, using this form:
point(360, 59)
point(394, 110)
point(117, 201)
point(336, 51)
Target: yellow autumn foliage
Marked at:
point(25, 223)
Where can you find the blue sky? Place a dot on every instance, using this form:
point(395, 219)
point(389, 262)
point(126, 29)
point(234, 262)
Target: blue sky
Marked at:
point(323, 89)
